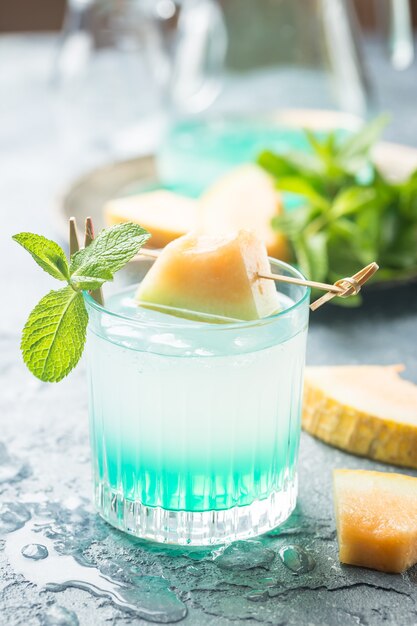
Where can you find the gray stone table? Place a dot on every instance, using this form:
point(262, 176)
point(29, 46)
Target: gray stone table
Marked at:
point(94, 574)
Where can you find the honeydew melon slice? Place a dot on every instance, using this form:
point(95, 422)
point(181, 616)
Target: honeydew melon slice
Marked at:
point(376, 515)
point(212, 275)
point(245, 197)
point(165, 214)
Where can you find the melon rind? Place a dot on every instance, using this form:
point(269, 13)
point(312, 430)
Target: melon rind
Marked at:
point(378, 421)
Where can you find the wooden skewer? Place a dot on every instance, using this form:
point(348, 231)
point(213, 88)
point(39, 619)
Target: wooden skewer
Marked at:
point(153, 254)
point(74, 244)
point(306, 283)
point(342, 288)
point(352, 285)
point(88, 232)
point(97, 294)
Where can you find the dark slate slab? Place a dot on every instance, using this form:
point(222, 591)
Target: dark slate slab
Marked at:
point(44, 452)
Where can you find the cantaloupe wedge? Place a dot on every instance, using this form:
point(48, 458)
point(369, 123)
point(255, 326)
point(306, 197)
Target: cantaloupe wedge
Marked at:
point(376, 518)
point(212, 275)
point(166, 215)
point(247, 198)
point(368, 410)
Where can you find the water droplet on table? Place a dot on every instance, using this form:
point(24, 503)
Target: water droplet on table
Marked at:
point(257, 595)
point(59, 616)
point(12, 516)
point(35, 551)
point(154, 600)
point(297, 559)
point(243, 555)
point(268, 581)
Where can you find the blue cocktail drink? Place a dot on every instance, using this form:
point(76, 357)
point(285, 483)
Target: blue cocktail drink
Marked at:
point(195, 425)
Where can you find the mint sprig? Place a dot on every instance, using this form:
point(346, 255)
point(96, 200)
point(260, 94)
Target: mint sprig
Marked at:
point(54, 335)
point(348, 213)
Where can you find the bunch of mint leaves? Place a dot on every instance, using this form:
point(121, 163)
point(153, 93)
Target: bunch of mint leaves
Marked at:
point(351, 213)
point(54, 336)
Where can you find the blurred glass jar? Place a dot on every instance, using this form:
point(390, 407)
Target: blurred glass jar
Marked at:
point(228, 67)
point(247, 56)
point(242, 56)
point(209, 60)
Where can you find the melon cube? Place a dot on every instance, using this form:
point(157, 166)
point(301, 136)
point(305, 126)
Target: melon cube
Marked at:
point(376, 517)
point(245, 197)
point(212, 275)
point(165, 214)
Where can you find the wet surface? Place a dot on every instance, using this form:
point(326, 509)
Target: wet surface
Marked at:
point(93, 574)
point(60, 564)
point(11, 468)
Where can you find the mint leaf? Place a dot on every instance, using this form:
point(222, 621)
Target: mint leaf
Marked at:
point(48, 254)
point(54, 335)
point(292, 223)
point(111, 249)
point(276, 164)
point(352, 200)
point(355, 150)
point(289, 164)
point(302, 187)
point(324, 149)
point(93, 268)
point(87, 283)
point(344, 228)
point(312, 256)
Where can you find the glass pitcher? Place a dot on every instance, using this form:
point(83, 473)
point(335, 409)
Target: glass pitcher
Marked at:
point(268, 53)
point(257, 56)
point(209, 58)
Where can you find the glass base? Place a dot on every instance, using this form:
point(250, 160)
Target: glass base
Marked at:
point(195, 528)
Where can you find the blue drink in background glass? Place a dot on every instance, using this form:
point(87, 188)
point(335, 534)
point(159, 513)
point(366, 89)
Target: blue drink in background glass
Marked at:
point(195, 425)
point(195, 153)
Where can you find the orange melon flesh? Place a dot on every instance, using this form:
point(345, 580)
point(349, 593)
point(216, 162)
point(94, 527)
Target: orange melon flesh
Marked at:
point(369, 410)
point(246, 197)
point(166, 215)
point(212, 275)
point(376, 517)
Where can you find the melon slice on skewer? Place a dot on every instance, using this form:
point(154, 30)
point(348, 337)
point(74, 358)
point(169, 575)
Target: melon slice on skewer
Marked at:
point(165, 214)
point(212, 275)
point(376, 517)
point(246, 197)
point(367, 409)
